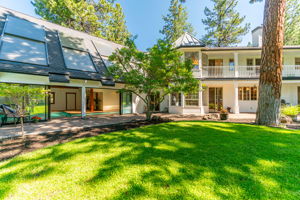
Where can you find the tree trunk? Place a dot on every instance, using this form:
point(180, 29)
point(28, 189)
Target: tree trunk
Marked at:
point(270, 80)
point(22, 126)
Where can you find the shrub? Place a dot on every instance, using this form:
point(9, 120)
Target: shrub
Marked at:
point(290, 110)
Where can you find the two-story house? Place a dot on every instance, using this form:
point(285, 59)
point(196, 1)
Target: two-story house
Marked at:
point(230, 76)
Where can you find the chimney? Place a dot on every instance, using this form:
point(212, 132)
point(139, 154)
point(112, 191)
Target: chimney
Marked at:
point(257, 36)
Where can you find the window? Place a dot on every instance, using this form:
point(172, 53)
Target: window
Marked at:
point(176, 99)
point(257, 61)
point(297, 61)
point(194, 57)
point(23, 41)
point(248, 93)
point(192, 99)
point(231, 64)
point(72, 42)
point(24, 28)
point(249, 64)
point(23, 50)
point(78, 60)
point(253, 93)
point(52, 97)
point(240, 93)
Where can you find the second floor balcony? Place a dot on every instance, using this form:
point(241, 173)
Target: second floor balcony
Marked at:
point(241, 71)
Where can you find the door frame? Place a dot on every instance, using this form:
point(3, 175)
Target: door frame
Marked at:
point(67, 99)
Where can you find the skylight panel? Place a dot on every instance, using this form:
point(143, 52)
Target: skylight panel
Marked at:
point(70, 41)
point(105, 48)
point(24, 28)
point(23, 50)
point(78, 60)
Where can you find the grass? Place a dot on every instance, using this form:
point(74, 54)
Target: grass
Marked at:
point(178, 160)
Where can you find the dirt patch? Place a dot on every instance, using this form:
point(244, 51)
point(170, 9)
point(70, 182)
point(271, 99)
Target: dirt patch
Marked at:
point(10, 148)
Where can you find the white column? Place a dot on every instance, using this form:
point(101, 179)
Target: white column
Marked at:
point(83, 102)
point(182, 100)
point(236, 64)
point(201, 99)
point(200, 64)
point(236, 109)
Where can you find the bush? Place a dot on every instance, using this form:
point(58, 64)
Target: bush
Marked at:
point(290, 110)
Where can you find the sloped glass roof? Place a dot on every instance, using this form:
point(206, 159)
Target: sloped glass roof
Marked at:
point(78, 60)
point(24, 28)
point(23, 50)
point(105, 48)
point(70, 41)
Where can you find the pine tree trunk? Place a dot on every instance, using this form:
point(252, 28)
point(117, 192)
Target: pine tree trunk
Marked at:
point(271, 64)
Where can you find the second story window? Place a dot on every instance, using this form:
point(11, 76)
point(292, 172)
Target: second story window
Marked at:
point(194, 57)
point(250, 64)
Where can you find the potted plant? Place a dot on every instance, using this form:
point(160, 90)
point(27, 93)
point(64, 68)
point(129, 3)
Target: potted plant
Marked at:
point(223, 114)
point(36, 119)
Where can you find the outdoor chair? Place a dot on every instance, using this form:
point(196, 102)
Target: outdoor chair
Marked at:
point(9, 112)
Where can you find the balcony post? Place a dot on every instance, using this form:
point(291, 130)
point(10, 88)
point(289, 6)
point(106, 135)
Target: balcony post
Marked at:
point(83, 102)
point(201, 99)
point(236, 109)
point(236, 64)
point(200, 64)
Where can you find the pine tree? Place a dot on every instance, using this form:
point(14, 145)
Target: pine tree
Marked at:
point(224, 24)
point(93, 17)
point(116, 29)
point(292, 23)
point(176, 22)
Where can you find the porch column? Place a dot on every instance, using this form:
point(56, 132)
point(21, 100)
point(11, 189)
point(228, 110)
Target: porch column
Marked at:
point(92, 100)
point(83, 102)
point(201, 99)
point(182, 100)
point(200, 64)
point(236, 109)
point(236, 64)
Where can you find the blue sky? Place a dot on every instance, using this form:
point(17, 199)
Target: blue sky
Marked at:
point(144, 17)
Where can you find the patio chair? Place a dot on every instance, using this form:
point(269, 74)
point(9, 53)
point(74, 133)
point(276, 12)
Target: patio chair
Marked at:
point(9, 112)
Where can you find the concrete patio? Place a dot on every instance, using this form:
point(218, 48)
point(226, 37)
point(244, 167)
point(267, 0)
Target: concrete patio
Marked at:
point(66, 124)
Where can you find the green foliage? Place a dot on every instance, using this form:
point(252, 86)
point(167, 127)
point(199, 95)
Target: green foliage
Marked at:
point(176, 22)
point(102, 18)
point(292, 23)
point(24, 97)
point(161, 69)
point(290, 110)
point(224, 24)
point(178, 160)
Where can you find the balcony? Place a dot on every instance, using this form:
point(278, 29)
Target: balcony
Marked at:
point(241, 71)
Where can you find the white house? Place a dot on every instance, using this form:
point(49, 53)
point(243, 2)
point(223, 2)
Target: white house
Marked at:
point(230, 76)
point(73, 65)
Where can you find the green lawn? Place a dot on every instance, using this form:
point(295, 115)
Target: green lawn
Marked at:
point(178, 160)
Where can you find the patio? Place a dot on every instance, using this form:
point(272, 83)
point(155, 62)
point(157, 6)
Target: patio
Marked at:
point(67, 124)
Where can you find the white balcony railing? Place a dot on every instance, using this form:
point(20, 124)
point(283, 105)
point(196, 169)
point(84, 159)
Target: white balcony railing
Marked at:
point(242, 71)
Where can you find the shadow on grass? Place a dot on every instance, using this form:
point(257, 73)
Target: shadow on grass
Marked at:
point(179, 160)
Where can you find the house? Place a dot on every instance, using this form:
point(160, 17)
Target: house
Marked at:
point(72, 65)
point(69, 63)
point(230, 76)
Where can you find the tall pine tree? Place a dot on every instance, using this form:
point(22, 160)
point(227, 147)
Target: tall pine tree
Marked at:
point(176, 22)
point(97, 17)
point(224, 24)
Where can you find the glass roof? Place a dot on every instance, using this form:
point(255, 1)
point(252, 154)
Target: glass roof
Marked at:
point(78, 60)
point(23, 28)
point(72, 42)
point(23, 50)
